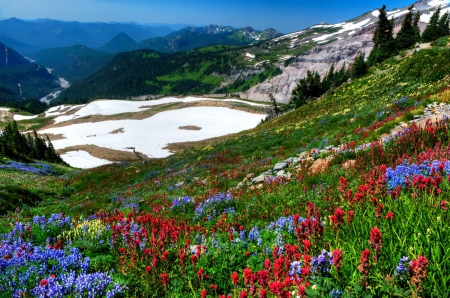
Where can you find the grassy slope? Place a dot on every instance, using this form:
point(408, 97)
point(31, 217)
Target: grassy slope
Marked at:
point(336, 118)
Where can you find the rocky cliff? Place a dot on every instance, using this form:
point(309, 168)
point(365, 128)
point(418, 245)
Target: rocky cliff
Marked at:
point(339, 44)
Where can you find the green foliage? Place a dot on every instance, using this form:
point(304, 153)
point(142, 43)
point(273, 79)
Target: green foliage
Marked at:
point(17, 146)
point(409, 33)
point(384, 43)
point(437, 27)
point(312, 87)
point(359, 68)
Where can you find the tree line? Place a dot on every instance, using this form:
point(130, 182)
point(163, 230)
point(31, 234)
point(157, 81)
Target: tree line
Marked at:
point(20, 147)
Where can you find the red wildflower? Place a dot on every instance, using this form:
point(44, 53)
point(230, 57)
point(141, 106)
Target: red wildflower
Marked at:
point(364, 266)
point(247, 274)
point(122, 250)
point(263, 278)
point(306, 245)
point(243, 294)
point(379, 210)
point(165, 279)
point(444, 204)
point(350, 216)
point(375, 239)
point(337, 259)
point(203, 293)
point(389, 215)
point(148, 269)
point(417, 269)
point(277, 288)
point(235, 278)
point(263, 293)
point(200, 273)
point(44, 282)
point(338, 218)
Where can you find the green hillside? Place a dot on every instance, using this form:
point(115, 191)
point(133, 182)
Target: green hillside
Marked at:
point(73, 63)
point(342, 223)
point(24, 82)
point(199, 71)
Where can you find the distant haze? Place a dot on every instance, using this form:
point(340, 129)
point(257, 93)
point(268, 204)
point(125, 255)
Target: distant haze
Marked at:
point(283, 15)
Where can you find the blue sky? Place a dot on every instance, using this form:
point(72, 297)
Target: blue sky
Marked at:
point(283, 15)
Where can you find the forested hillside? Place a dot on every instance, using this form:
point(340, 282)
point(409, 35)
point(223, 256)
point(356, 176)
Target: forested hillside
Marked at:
point(149, 72)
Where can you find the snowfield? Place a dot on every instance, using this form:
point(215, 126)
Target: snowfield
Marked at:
point(20, 117)
point(82, 159)
point(151, 135)
point(112, 107)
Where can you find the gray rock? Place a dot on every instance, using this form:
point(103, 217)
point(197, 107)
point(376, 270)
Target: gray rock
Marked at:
point(259, 179)
point(289, 160)
point(281, 173)
point(280, 166)
point(240, 185)
point(295, 160)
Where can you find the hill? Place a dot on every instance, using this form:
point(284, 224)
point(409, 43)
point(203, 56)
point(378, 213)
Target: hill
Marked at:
point(10, 58)
point(149, 72)
point(24, 82)
point(73, 63)
point(190, 38)
point(21, 80)
point(119, 43)
point(319, 196)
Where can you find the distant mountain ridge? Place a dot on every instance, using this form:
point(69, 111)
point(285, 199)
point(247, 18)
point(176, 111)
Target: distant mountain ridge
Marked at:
point(44, 33)
point(190, 38)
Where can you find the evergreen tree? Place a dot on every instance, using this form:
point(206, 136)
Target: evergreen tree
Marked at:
point(17, 146)
point(359, 67)
point(431, 32)
point(406, 37)
point(416, 27)
point(384, 43)
point(328, 81)
point(443, 25)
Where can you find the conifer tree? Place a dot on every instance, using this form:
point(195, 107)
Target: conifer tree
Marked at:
point(416, 27)
point(384, 43)
point(431, 32)
point(406, 37)
point(443, 25)
point(359, 67)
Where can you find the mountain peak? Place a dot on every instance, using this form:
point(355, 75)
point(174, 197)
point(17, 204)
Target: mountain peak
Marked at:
point(119, 43)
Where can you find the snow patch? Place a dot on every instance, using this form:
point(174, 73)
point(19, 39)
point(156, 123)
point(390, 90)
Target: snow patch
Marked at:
point(345, 27)
point(376, 13)
point(112, 107)
point(21, 117)
point(438, 2)
point(82, 159)
point(152, 134)
point(248, 55)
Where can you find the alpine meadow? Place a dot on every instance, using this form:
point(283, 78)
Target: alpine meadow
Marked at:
point(137, 160)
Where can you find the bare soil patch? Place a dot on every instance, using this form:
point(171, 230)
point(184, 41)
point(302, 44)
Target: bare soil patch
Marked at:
point(106, 153)
point(190, 127)
point(116, 131)
point(53, 137)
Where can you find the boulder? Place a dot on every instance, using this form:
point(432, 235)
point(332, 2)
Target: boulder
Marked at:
point(280, 166)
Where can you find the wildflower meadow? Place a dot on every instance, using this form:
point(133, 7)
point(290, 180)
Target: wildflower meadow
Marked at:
point(371, 221)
